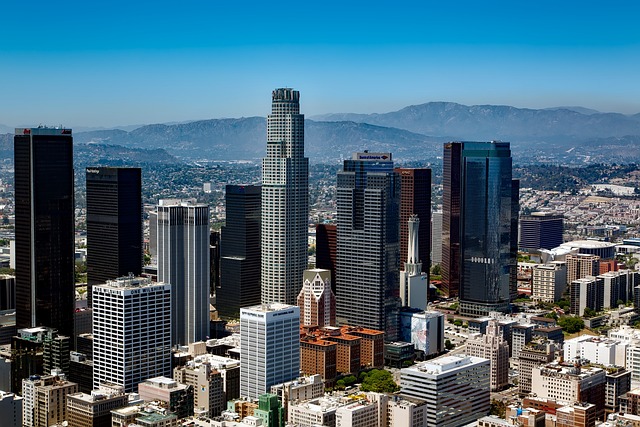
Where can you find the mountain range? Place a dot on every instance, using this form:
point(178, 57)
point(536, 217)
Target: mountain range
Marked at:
point(560, 134)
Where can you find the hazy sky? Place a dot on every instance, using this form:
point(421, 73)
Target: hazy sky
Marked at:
point(81, 63)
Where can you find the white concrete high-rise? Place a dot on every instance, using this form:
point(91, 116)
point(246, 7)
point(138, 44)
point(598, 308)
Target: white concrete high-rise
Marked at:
point(414, 283)
point(183, 262)
point(285, 201)
point(456, 388)
point(269, 347)
point(131, 331)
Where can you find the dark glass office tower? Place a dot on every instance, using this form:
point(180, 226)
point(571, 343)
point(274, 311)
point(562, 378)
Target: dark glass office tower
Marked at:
point(451, 193)
point(326, 247)
point(44, 228)
point(368, 202)
point(488, 200)
point(240, 251)
point(114, 224)
point(415, 199)
point(541, 230)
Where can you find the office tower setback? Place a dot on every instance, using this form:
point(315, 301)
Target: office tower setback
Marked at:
point(44, 211)
point(479, 247)
point(285, 200)
point(541, 230)
point(240, 251)
point(269, 347)
point(183, 262)
point(316, 299)
point(414, 284)
point(131, 331)
point(368, 197)
point(415, 199)
point(494, 347)
point(114, 224)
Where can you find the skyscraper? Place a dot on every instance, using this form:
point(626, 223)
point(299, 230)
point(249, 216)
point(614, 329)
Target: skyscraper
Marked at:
point(114, 224)
point(414, 284)
point(541, 230)
point(415, 199)
point(131, 331)
point(479, 248)
point(44, 212)
point(240, 251)
point(285, 200)
point(269, 347)
point(451, 194)
point(183, 262)
point(368, 198)
point(326, 248)
point(316, 300)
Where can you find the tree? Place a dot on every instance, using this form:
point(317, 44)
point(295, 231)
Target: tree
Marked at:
point(571, 324)
point(589, 312)
point(498, 408)
point(449, 345)
point(379, 381)
point(436, 270)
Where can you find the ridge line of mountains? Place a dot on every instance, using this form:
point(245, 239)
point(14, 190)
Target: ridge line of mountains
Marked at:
point(561, 135)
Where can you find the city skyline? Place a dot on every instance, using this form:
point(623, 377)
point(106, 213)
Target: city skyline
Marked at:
point(177, 63)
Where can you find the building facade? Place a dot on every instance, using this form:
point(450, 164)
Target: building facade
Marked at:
point(480, 205)
point(549, 281)
point(456, 388)
point(114, 224)
point(44, 227)
point(414, 283)
point(131, 331)
point(494, 347)
point(183, 262)
point(541, 230)
point(269, 347)
point(316, 299)
point(415, 199)
point(326, 250)
point(368, 196)
point(285, 200)
point(240, 251)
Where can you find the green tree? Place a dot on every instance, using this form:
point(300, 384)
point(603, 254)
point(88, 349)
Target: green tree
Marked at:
point(379, 381)
point(571, 324)
point(449, 345)
point(498, 408)
point(589, 312)
point(436, 270)
point(563, 303)
point(350, 380)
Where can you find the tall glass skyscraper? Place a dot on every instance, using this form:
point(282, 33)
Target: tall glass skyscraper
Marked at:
point(478, 182)
point(368, 240)
point(240, 251)
point(285, 201)
point(114, 224)
point(44, 209)
point(183, 262)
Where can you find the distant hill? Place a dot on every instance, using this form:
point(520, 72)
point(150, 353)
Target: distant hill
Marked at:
point(490, 122)
point(560, 135)
point(101, 154)
point(245, 138)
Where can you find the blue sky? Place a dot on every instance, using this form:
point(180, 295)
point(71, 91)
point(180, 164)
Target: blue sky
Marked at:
point(118, 63)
